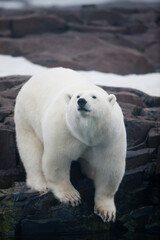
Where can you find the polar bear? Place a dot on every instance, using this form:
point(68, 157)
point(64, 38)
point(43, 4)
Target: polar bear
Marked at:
point(60, 117)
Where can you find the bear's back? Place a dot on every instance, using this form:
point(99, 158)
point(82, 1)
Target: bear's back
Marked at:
point(41, 89)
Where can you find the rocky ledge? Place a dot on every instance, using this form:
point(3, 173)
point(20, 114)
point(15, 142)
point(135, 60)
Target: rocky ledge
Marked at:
point(137, 199)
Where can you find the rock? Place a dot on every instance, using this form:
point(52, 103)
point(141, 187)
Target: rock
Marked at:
point(148, 101)
point(14, 82)
point(152, 101)
point(158, 162)
point(9, 176)
point(8, 150)
point(4, 112)
point(129, 98)
point(4, 28)
point(120, 41)
point(74, 49)
point(152, 54)
point(130, 110)
point(137, 130)
point(150, 113)
point(138, 213)
point(142, 145)
point(149, 171)
point(135, 28)
point(139, 157)
point(34, 24)
point(9, 164)
point(4, 24)
point(153, 228)
point(46, 215)
point(139, 218)
point(133, 178)
point(109, 16)
point(153, 137)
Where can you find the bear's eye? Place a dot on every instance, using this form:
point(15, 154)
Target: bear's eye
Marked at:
point(78, 96)
point(94, 97)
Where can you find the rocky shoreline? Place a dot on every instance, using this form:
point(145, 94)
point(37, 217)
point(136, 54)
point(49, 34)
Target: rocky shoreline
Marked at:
point(114, 40)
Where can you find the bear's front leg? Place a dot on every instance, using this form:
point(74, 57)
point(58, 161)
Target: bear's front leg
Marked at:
point(107, 180)
point(56, 168)
point(108, 175)
point(104, 206)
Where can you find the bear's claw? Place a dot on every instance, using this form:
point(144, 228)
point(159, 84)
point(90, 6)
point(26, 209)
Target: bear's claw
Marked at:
point(106, 215)
point(73, 200)
point(67, 194)
point(74, 203)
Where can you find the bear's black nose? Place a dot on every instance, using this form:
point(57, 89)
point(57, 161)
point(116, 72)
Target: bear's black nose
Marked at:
point(81, 102)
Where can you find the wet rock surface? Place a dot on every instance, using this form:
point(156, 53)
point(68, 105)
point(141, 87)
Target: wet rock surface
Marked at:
point(111, 40)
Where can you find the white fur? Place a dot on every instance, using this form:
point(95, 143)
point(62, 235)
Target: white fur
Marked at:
point(51, 132)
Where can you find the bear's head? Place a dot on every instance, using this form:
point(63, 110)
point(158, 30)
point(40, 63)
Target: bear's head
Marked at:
point(90, 103)
point(88, 113)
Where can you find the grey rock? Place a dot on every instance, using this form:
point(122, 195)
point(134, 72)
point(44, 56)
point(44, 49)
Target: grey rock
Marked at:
point(139, 157)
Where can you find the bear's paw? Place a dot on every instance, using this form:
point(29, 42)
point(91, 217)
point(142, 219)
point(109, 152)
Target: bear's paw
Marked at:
point(106, 210)
point(66, 194)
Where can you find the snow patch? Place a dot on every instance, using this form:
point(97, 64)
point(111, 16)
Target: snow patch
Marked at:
point(18, 66)
point(148, 83)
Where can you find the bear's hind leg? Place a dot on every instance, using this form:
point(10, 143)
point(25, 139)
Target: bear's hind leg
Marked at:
point(86, 167)
point(31, 150)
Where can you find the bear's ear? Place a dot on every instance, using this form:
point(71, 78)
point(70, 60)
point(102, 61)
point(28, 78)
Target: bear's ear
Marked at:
point(68, 97)
point(112, 99)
